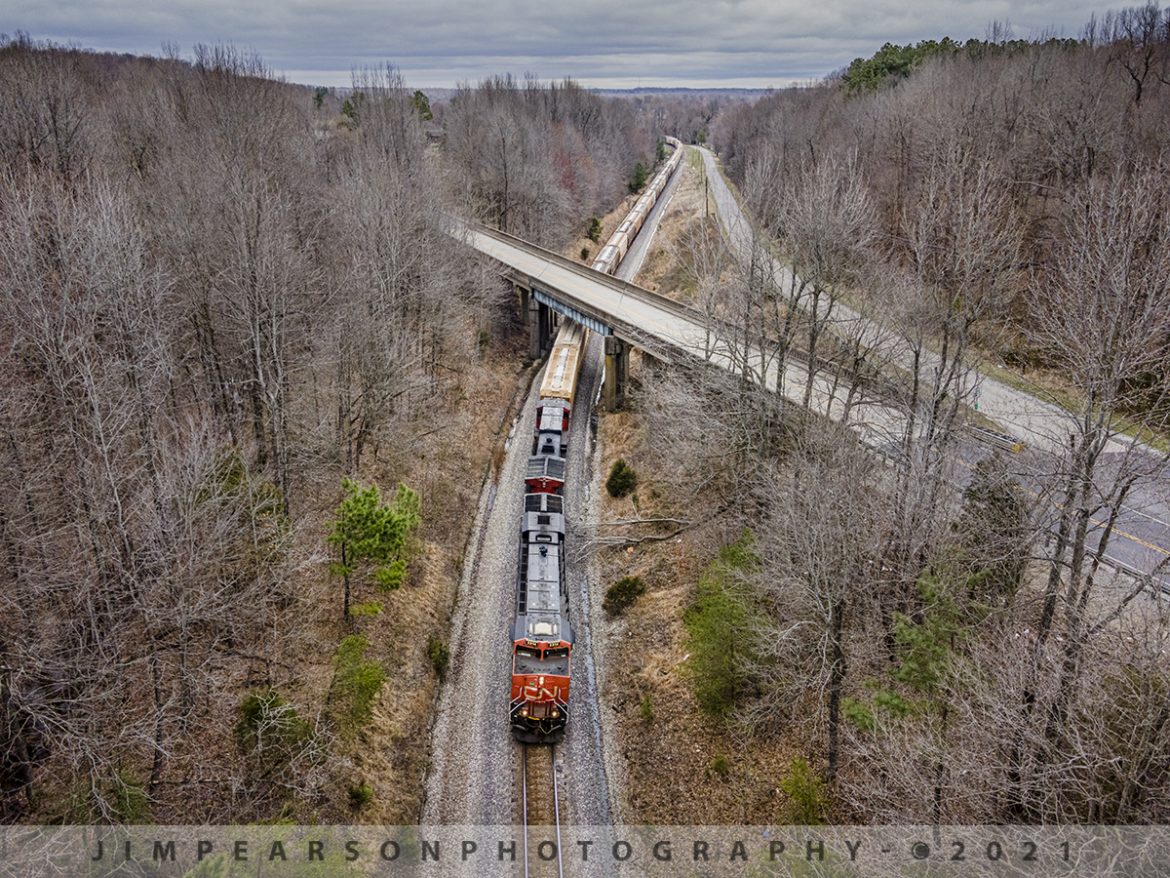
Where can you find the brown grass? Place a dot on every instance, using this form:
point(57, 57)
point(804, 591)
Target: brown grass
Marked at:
point(446, 467)
point(667, 760)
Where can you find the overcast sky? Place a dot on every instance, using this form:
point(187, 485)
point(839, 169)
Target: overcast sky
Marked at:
point(603, 43)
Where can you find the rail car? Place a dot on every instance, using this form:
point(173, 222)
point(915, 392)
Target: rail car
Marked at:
point(542, 636)
point(619, 243)
point(551, 433)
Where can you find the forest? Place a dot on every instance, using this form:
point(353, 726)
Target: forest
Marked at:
point(254, 390)
point(220, 295)
point(932, 640)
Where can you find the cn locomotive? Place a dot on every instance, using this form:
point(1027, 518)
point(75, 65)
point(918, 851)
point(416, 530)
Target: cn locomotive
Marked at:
point(542, 636)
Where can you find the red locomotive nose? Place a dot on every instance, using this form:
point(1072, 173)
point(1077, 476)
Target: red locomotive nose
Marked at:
point(540, 699)
point(534, 689)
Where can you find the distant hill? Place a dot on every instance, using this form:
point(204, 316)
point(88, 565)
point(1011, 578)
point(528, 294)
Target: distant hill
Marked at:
point(745, 93)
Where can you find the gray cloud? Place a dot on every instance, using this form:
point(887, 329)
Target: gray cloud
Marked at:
point(616, 43)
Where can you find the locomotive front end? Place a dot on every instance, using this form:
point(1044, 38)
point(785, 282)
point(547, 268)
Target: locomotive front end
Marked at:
point(540, 691)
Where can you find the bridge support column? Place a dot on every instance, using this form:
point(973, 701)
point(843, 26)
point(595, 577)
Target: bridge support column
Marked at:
point(547, 321)
point(539, 320)
point(617, 367)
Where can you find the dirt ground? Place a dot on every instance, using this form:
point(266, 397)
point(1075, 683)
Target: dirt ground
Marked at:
point(679, 766)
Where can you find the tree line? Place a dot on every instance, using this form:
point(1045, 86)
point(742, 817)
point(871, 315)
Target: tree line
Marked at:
point(218, 296)
point(942, 634)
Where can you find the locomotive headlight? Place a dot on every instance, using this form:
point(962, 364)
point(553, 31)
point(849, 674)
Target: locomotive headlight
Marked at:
point(555, 713)
point(524, 711)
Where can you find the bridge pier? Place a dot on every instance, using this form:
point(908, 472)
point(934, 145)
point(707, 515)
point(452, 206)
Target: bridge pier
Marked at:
point(617, 368)
point(540, 321)
point(548, 327)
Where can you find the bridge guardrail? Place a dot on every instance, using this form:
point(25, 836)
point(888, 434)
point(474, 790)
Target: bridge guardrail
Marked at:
point(717, 328)
point(619, 286)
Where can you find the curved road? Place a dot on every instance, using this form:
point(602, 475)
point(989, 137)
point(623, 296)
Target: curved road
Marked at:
point(1141, 541)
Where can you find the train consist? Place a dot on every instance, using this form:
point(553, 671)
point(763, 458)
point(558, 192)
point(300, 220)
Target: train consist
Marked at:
point(542, 636)
point(619, 243)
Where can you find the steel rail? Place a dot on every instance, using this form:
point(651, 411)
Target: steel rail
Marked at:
point(552, 758)
point(556, 804)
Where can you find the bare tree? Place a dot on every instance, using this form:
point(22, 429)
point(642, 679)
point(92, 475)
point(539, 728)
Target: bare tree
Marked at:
point(44, 114)
point(825, 225)
point(819, 552)
point(1103, 315)
point(1138, 40)
point(962, 242)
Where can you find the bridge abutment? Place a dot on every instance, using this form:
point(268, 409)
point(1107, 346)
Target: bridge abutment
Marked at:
point(617, 368)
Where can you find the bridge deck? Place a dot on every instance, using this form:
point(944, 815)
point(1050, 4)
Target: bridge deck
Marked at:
point(666, 328)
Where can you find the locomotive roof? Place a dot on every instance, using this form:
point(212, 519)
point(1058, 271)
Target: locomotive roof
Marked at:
point(544, 503)
point(550, 524)
point(551, 419)
point(545, 615)
point(549, 467)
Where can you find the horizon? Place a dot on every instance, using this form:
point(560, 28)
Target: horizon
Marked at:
point(757, 45)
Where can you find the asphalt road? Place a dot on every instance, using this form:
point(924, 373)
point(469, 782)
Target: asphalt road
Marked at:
point(1141, 539)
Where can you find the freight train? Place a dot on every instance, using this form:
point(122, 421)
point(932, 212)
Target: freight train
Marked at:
point(542, 636)
point(619, 243)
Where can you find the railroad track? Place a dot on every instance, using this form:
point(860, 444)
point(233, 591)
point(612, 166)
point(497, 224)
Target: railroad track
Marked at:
point(541, 813)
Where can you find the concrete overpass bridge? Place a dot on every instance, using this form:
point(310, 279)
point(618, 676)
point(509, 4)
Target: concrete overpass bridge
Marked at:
point(627, 315)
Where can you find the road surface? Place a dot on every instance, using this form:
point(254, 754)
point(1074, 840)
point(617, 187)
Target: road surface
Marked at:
point(1142, 535)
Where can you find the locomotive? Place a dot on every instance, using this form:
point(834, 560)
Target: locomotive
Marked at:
point(542, 636)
